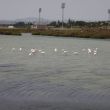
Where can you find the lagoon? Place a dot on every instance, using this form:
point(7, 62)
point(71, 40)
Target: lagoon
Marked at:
point(54, 80)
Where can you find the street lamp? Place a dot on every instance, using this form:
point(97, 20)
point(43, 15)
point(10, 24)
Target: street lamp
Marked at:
point(63, 6)
point(108, 18)
point(108, 14)
point(40, 10)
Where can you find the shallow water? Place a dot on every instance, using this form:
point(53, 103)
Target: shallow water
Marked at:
point(54, 80)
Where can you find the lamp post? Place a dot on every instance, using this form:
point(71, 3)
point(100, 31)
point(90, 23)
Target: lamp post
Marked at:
point(40, 10)
point(63, 6)
point(108, 18)
point(108, 14)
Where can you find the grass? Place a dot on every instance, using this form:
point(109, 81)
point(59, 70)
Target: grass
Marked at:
point(81, 33)
point(96, 33)
point(6, 31)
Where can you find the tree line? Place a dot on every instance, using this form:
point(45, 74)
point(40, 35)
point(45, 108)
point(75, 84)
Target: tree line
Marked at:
point(71, 23)
point(22, 25)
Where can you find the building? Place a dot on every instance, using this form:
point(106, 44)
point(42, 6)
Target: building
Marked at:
point(39, 27)
point(10, 27)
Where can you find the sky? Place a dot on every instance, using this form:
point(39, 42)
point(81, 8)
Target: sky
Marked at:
point(51, 9)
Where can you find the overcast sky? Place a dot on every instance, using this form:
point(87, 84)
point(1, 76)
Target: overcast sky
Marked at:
point(51, 9)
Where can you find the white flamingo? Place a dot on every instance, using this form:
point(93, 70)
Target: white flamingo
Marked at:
point(95, 51)
point(65, 52)
point(33, 51)
point(42, 52)
point(75, 53)
point(55, 50)
point(30, 54)
point(20, 49)
point(89, 51)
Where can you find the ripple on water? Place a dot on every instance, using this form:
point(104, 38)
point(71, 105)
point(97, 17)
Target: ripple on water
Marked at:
point(57, 77)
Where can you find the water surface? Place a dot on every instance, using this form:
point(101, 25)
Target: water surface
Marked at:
point(54, 80)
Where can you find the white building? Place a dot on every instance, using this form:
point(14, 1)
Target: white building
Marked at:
point(10, 27)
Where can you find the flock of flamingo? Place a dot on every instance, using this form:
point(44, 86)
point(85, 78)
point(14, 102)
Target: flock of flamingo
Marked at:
point(34, 51)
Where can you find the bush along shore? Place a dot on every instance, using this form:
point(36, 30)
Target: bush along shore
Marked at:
point(10, 32)
point(74, 32)
point(81, 33)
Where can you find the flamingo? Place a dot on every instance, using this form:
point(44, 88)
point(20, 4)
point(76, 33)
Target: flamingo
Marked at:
point(75, 53)
point(55, 50)
point(95, 51)
point(20, 49)
point(89, 51)
point(30, 54)
point(33, 51)
point(42, 52)
point(65, 52)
